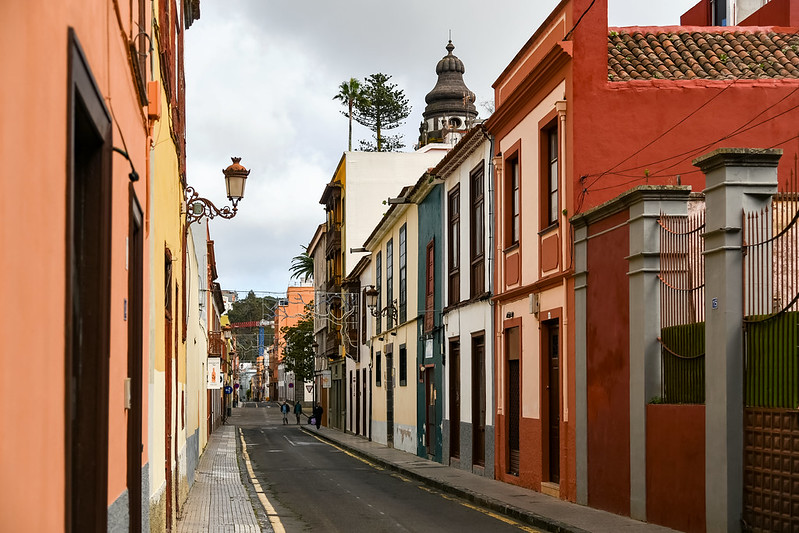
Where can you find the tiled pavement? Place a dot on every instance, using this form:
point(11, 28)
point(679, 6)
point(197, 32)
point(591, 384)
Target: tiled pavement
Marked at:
point(218, 501)
point(218, 486)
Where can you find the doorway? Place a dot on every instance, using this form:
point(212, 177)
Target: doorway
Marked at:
point(430, 410)
point(88, 278)
point(478, 399)
point(390, 394)
point(454, 398)
point(135, 332)
point(513, 351)
point(550, 331)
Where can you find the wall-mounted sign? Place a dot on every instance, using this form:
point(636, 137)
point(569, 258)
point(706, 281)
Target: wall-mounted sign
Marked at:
point(326, 381)
point(214, 372)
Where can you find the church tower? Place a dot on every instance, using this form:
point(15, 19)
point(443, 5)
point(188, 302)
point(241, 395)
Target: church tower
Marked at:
point(450, 110)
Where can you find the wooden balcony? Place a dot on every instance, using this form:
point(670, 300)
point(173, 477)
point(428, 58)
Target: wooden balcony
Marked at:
point(215, 344)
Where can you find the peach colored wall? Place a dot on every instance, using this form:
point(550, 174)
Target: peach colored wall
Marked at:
point(33, 148)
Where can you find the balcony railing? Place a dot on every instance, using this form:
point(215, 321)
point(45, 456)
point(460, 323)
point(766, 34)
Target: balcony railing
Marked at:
point(333, 243)
point(215, 344)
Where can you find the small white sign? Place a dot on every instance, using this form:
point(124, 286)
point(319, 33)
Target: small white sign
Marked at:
point(326, 381)
point(428, 349)
point(214, 373)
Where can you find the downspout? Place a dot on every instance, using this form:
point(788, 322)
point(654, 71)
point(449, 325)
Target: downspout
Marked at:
point(491, 338)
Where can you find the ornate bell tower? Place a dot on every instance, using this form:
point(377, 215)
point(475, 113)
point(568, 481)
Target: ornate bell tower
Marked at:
point(450, 110)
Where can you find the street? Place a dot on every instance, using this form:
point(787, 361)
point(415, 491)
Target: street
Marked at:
point(315, 486)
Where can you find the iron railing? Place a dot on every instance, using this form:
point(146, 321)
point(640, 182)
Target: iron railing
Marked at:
point(682, 311)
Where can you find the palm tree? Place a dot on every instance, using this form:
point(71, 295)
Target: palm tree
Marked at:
point(351, 95)
point(302, 266)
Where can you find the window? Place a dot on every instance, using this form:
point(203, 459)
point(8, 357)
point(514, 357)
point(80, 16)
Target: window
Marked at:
point(378, 370)
point(378, 287)
point(513, 202)
point(454, 244)
point(403, 274)
point(389, 281)
point(552, 176)
point(429, 287)
point(363, 316)
point(403, 365)
point(477, 231)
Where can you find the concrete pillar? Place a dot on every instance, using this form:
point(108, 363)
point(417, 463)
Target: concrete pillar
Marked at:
point(736, 180)
point(580, 370)
point(646, 205)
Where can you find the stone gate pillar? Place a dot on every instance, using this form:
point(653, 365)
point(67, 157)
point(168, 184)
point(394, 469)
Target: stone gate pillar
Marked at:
point(736, 179)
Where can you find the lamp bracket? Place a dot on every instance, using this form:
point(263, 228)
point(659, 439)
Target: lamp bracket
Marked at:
point(197, 207)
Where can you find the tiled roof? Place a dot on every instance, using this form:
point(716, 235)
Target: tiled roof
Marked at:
point(684, 54)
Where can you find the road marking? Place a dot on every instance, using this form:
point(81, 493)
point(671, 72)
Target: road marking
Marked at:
point(274, 519)
point(361, 459)
point(486, 512)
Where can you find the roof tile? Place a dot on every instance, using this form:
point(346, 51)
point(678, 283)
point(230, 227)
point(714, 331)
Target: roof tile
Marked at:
point(678, 55)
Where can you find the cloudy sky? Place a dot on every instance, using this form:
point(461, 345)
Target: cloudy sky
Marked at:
point(261, 75)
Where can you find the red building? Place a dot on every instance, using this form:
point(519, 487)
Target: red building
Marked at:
point(584, 113)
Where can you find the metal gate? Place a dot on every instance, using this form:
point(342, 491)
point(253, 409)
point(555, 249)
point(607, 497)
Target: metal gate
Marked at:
point(771, 358)
point(682, 310)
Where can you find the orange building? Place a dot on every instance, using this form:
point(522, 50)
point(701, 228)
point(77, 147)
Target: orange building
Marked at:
point(76, 134)
point(288, 314)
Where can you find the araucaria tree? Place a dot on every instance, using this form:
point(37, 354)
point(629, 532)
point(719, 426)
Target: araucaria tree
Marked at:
point(350, 94)
point(383, 108)
point(298, 356)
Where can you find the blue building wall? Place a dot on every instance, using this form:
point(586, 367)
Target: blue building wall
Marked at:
point(430, 229)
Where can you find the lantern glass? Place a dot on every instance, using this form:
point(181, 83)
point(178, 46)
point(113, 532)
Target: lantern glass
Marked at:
point(235, 187)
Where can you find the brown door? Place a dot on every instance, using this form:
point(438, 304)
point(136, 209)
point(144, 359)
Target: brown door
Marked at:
point(390, 394)
point(135, 332)
point(454, 398)
point(430, 410)
point(552, 331)
point(514, 398)
point(88, 274)
point(478, 400)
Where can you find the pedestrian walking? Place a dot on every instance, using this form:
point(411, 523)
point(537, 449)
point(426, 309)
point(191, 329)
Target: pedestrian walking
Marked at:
point(317, 413)
point(285, 410)
point(298, 411)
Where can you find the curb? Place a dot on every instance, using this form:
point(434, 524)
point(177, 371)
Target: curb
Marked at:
point(533, 519)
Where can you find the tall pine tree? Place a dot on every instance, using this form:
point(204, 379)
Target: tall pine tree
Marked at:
point(384, 107)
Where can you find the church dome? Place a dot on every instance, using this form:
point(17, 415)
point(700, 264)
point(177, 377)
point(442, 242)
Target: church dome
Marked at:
point(450, 96)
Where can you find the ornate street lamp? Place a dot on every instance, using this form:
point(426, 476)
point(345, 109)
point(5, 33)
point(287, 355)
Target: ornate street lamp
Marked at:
point(371, 302)
point(235, 179)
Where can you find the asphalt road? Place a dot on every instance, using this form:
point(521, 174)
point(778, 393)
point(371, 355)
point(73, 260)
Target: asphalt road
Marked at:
point(315, 486)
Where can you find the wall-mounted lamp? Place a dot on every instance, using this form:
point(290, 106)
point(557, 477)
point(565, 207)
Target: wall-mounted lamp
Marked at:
point(509, 314)
point(371, 302)
point(235, 179)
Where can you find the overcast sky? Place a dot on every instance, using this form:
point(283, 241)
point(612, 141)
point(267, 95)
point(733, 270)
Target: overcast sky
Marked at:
point(260, 78)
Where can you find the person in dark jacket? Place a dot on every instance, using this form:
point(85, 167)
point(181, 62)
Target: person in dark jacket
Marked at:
point(298, 411)
point(285, 410)
point(317, 413)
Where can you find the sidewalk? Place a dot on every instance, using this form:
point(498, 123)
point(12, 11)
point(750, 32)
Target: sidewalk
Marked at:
point(217, 500)
point(524, 505)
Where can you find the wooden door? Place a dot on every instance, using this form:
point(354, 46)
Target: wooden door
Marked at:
point(390, 394)
point(478, 400)
point(88, 275)
point(135, 446)
point(552, 332)
point(454, 398)
point(430, 410)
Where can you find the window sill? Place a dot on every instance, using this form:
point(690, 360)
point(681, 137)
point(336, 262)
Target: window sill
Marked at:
point(548, 229)
point(511, 248)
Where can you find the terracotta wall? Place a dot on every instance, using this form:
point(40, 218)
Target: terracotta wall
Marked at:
point(675, 466)
point(608, 368)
